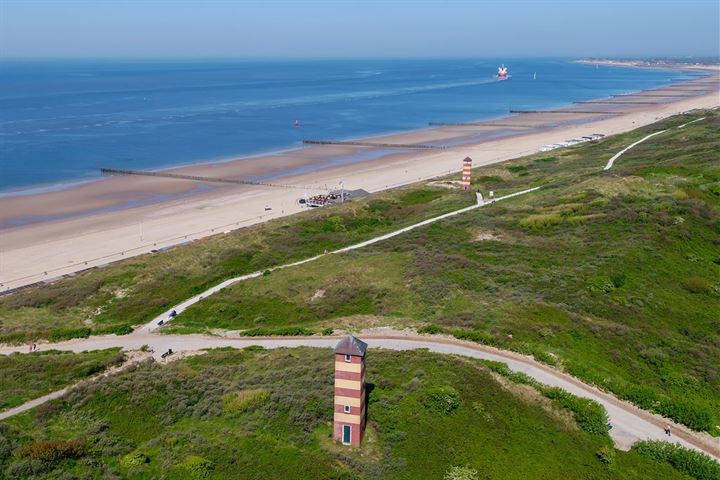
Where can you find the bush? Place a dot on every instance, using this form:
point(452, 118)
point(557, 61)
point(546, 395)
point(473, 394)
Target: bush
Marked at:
point(431, 329)
point(134, 459)
point(52, 450)
point(244, 400)
point(606, 455)
point(443, 400)
point(601, 285)
point(461, 473)
point(475, 336)
point(696, 285)
point(26, 468)
point(540, 220)
point(590, 415)
point(199, 468)
point(282, 332)
point(60, 334)
point(690, 462)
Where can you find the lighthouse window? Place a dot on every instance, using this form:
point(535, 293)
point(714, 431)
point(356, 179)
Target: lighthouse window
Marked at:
point(348, 358)
point(346, 408)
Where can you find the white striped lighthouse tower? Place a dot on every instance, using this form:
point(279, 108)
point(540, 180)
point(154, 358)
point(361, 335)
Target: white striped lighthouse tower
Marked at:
point(467, 167)
point(349, 416)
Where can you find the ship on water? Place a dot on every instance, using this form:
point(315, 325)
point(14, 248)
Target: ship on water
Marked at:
point(502, 72)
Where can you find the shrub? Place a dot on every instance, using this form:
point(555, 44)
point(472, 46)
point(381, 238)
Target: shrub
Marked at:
point(601, 285)
point(696, 285)
point(443, 400)
point(475, 336)
point(690, 462)
point(606, 455)
point(134, 459)
point(244, 400)
point(431, 329)
point(199, 468)
point(540, 221)
point(283, 332)
point(26, 468)
point(590, 415)
point(68, 333)
point(52, 450)
point(618, 279)
point(461, 473)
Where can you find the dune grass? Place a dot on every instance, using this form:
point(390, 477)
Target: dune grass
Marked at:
point(181, 426)
point(27, 376)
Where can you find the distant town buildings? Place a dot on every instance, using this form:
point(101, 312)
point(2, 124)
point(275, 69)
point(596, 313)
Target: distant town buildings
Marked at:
point(350, 414)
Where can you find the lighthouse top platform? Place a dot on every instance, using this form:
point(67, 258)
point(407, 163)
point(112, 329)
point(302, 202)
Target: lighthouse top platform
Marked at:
point(351, 346)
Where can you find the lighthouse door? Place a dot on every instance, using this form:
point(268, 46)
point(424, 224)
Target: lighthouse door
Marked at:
point(347, 434)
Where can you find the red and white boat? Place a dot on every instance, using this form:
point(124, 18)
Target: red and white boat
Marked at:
point(502, 73)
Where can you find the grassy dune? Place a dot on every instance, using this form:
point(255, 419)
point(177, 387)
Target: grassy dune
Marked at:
point(613, 276)
point(25, 377)
point(191, 420)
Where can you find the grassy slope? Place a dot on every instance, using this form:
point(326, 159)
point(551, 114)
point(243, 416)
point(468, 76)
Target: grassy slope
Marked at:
point(177, 412)
point(25, 377)
point(614, 275)
point(132, 292)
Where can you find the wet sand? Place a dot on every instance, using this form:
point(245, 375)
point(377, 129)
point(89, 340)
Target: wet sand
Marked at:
point(46, 235)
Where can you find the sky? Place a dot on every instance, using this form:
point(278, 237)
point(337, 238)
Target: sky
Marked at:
point(349, 29)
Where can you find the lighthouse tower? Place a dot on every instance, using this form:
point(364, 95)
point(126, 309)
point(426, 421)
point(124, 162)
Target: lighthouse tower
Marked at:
point(466, 172)
point(349, 418)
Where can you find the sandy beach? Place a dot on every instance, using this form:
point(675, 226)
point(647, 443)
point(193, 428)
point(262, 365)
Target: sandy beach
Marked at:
point(47, 235)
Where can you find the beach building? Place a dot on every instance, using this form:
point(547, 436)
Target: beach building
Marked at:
point(350, 415)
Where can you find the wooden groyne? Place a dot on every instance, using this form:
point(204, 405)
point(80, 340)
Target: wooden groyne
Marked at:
point(374, 144)
point(611, 102)
point(482, 124)
point(197, 178)
point(582, 112)
point(641, 94)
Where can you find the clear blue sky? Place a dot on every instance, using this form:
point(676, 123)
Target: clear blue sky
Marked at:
point(369, 28)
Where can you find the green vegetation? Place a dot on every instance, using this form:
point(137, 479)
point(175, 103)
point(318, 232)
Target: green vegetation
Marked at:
point(590, 415)
point(613, 276)
point(172, 421)
point(132, 292)
point(693, 463)
point(28, 376)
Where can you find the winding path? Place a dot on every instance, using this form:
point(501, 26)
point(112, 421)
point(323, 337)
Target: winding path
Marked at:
point(629, 423)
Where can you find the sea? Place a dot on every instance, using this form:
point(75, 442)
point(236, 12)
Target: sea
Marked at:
point(61, 121)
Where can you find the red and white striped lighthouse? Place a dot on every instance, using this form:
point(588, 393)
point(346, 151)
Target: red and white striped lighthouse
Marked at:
point(349, 418)
point(467, 168)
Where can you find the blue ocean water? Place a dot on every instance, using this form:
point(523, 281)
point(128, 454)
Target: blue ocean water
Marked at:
point(60, 121)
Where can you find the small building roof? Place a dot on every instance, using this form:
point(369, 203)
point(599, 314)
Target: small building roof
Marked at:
point(351, 346)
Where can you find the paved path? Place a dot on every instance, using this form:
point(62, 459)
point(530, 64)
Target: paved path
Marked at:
point(629, 423)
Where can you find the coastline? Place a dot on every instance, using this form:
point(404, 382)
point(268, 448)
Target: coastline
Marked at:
point(70, 236)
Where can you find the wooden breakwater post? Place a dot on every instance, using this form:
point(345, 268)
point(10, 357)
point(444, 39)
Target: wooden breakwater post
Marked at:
point(583, 112)
point(375, 144)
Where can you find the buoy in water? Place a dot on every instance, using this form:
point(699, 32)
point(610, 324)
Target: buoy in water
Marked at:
point(297, 123)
